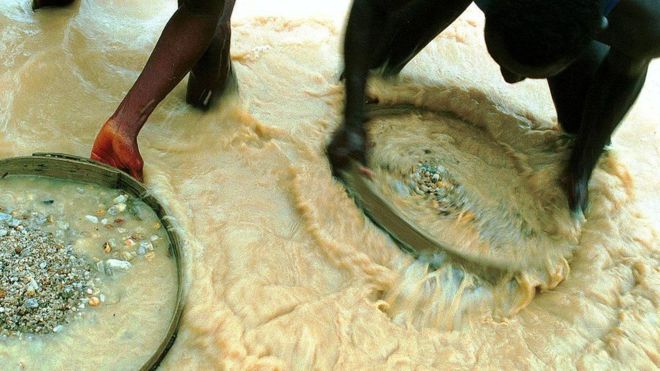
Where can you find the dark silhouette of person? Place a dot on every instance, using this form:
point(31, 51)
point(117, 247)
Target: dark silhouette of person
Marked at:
point(593, 53)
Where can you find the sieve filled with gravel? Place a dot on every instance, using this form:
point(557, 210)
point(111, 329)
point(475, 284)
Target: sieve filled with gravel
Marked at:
point(42, 282)
point(436, 182)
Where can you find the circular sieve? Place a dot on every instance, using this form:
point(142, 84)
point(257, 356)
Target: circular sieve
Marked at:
point(68, 167)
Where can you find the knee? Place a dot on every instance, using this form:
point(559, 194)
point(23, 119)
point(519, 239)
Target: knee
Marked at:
point(627, 64)
point(648, 44)
point(224, 27)
point(655, 51)
point(214, 8)
point(651, 30)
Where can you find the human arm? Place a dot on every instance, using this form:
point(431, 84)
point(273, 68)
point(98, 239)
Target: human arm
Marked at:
point(185, 38)
point(384, 34)
point(633, 35)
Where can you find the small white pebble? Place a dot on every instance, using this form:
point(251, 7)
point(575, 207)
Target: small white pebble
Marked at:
point(33, 285)
point(116, 209)
point(92, 219)
point(118, 264)
point(120, 199)
point(147, 245)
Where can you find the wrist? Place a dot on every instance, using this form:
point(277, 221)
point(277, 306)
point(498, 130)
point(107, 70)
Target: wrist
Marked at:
point(123, 128)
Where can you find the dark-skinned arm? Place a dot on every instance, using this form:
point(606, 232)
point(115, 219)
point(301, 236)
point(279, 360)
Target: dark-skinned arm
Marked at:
point(378, 33)
point(634, 38)
point(185, 38)
point(616, 85)
point(349, 140)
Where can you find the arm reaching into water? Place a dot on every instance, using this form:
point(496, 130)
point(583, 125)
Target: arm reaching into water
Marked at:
point(383, 34)
point(196, 40)
point(595, 70)
point(634, 38)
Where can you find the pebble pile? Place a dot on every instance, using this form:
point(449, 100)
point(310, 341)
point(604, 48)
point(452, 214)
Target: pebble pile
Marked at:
point(42, 282)
point(436, 182)
point(128, 244)
point(59, 251)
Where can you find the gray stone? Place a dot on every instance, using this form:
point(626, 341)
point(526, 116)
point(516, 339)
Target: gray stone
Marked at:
point(31, 303)
point(112, 265)
point(92, 219)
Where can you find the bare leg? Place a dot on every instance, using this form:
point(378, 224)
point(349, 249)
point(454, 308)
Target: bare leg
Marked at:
point(617, 85)
point(634, 38)
point(411, 28)
point(36, 4)
point(212, 73)
point(569, 88)
point(185, 39)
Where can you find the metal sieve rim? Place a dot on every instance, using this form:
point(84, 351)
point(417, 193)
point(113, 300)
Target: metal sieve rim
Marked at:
point(69, 167)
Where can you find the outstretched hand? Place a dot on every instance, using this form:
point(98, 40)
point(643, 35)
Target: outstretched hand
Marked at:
point(348, 144)
point(118, 150)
